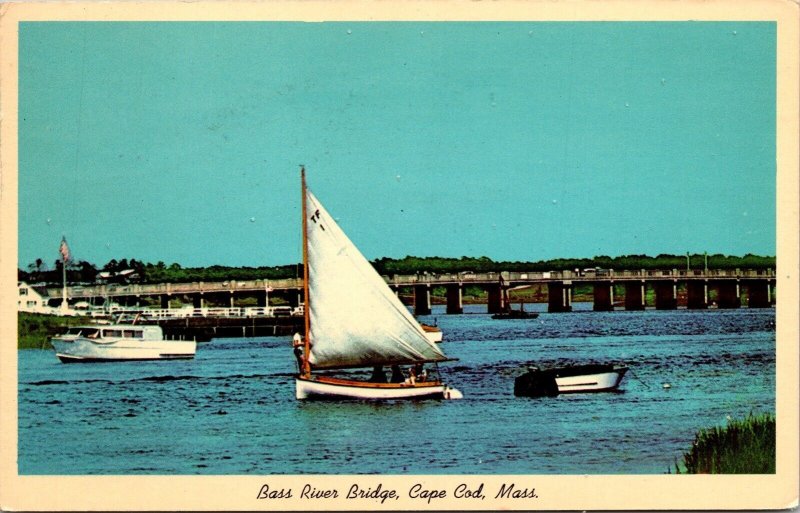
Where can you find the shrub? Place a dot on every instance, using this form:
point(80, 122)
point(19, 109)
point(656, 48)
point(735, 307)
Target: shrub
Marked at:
point(742, 447)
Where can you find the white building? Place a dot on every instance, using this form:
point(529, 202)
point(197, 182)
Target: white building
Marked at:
point(32, 300)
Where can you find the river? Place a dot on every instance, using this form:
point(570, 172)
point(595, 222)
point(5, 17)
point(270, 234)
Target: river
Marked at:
point(232, 409)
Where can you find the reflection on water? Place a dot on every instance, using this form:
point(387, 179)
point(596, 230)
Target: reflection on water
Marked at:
point(232, 409)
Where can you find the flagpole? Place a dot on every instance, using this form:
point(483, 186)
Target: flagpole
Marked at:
point(64, 289)
point(64, 250)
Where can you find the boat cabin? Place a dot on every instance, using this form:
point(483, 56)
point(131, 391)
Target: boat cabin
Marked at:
point(116, 332)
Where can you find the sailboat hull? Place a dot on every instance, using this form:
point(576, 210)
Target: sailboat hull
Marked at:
point(318, 387)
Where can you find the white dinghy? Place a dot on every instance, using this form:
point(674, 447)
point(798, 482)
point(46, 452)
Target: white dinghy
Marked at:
point(569, 380)
point(353, 320)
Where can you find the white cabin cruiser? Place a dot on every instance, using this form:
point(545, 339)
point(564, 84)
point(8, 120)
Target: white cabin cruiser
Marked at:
point(119, 342)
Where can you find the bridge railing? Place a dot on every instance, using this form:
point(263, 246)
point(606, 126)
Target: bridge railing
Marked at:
point(178, 288)
point(187, 311)
point(578, 274)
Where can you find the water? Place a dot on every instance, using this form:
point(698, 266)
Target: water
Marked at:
point(232, 410)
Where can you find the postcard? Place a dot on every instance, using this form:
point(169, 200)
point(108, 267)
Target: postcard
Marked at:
point(397, 256)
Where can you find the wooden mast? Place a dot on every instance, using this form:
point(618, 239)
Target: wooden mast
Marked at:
point(306, 370)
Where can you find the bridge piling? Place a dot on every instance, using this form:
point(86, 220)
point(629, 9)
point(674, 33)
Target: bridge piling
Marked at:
point(634, 295)
point(559, 296)
point(758, 294)
point(728, 294)
point(454, 301)
point(697, 295)
point(666, 295)
point(495, 299)
point(603, 296)
point(422, 300)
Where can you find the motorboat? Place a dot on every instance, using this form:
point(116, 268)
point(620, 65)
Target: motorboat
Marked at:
point(119, 342)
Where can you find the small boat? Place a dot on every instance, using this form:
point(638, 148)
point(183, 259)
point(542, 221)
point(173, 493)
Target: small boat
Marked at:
point(118, 343)
point(434, 333)
point(515, 314)
point(571, 379)
point(354, 321)
point(510, 313)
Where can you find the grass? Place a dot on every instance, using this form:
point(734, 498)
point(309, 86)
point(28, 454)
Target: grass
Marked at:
point(35, 330)
point(742, 447)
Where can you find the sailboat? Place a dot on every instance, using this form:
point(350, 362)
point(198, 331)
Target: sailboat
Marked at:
point(508, 312)
point(353, 320)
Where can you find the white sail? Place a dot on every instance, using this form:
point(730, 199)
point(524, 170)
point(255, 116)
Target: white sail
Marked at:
point(356, 319)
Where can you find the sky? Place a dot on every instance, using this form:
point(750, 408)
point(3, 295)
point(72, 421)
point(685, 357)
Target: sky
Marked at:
point(181, 142)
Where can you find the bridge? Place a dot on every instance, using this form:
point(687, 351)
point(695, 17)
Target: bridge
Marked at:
point(727, 285)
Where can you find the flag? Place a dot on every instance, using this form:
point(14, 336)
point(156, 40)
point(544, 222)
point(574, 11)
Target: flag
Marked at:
point(64, 249)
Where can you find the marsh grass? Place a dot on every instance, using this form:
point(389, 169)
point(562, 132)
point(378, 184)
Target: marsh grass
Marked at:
point(742, 447)
point(35, 330)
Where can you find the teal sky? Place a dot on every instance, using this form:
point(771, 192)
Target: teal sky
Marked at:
point(181, 142)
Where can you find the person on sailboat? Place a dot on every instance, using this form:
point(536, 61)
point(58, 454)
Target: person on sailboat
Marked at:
point(397, 374)
point(378, 376)
point(297, 344)
point(412, 377)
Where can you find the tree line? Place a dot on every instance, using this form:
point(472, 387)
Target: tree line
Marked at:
point(135, 271)
point(411, 264)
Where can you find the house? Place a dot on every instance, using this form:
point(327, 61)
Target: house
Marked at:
point(33, 299)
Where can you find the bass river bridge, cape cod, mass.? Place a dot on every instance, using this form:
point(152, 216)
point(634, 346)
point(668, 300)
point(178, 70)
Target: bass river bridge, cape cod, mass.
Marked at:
point(728, 286)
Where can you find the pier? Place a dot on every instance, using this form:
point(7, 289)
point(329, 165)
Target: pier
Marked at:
point(728, 286)
point(203, 329)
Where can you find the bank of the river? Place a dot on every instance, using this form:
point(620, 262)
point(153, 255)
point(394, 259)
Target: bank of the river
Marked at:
point(34, 330)
point(741, 447)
